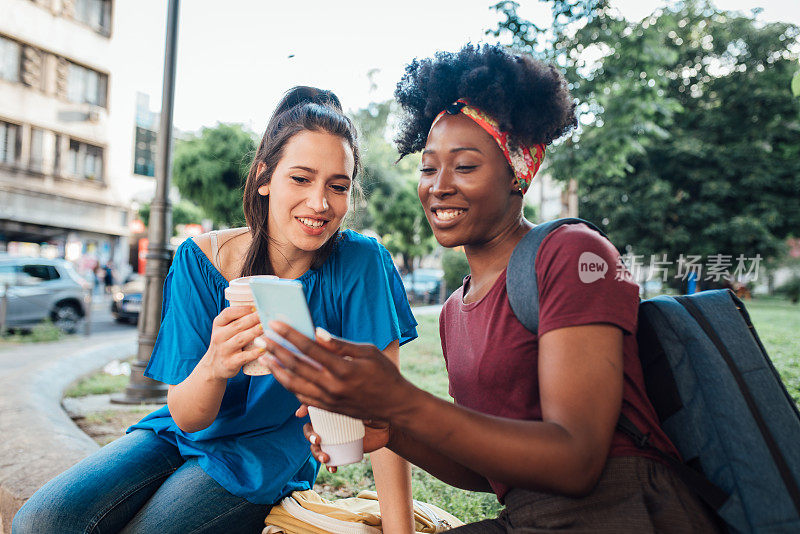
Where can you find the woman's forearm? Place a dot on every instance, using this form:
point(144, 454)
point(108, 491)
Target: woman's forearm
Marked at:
point(565, 452)
point(195, 402)
point(437, 464)
point(393, 484)
point(527, 454)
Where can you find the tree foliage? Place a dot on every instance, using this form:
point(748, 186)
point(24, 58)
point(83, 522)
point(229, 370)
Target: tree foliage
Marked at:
point(690, 137)
point(455, 267)
point(183, 212)
point(209, 169)
point(400, 221)
point(393, 209)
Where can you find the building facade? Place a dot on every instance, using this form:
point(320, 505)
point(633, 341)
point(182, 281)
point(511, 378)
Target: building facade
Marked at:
point(553, 199)
point(56, 191)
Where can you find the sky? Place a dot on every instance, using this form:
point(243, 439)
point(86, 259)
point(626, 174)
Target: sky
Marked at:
point(234, 63)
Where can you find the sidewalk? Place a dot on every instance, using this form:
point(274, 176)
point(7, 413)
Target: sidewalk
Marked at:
point(39, 439)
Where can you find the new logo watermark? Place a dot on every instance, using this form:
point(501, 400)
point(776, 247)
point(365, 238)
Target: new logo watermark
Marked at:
point(591, 267)
point(715, 267)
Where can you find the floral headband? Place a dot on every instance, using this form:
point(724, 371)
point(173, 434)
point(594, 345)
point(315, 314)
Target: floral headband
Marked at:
point(524, 161)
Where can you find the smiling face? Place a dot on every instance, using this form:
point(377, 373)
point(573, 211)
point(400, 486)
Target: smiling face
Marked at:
point(309, 192)
point(466, 186)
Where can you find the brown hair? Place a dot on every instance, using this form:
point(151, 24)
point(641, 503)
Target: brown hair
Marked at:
point(301, 109)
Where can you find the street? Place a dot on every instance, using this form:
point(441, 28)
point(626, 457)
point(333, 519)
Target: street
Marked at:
point(101, 321)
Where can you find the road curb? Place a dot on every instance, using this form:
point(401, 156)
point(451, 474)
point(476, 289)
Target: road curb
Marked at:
point(39, 440)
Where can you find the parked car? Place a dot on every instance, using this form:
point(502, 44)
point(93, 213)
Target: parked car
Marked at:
point(127, 301)
point(423, 285)
point(39, 289)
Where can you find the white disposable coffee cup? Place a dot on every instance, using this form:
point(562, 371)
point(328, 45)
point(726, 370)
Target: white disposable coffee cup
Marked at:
point(238, 293)
point(342, 437)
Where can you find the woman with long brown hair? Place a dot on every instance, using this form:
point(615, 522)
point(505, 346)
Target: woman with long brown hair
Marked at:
point(228, 445)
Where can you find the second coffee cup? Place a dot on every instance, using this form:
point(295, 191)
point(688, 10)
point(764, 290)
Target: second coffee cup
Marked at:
point(238, 293)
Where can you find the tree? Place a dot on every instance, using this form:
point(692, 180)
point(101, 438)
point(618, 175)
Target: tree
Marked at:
point(530, 212)
point(209, 169)
point(690, 137)
point(455, 267)
point(393, 209)
point(183, 212)
point(400, 221)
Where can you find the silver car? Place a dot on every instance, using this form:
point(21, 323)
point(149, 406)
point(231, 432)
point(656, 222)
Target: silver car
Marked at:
point(37, 289)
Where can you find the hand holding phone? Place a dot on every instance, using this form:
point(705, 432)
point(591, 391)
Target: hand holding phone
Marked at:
point(283, 300)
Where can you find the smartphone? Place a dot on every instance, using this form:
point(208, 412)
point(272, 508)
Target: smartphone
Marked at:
point(283, 300)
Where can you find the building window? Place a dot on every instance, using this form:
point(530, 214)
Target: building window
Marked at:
point(9, 143)
point(36, 151)
point(32, 69)
point(85, 161)
point(94, 13)
point(10, 53)
point(86, 86)
point(57, 156)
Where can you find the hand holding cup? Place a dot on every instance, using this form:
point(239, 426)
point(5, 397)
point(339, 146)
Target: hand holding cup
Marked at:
point(376, 436)
point(238, 293)
point(232, 335)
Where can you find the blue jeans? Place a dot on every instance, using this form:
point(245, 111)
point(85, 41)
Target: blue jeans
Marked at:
point(137, 484)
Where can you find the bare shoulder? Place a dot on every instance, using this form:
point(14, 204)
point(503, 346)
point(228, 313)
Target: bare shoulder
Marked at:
point(230, 241)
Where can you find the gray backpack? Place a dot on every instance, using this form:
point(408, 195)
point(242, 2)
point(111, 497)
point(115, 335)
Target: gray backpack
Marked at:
point(716, 393)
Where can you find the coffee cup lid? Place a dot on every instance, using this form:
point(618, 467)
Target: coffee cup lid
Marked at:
point(239, 288)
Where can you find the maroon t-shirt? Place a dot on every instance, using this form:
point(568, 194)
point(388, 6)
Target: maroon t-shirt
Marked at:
point(492, 359)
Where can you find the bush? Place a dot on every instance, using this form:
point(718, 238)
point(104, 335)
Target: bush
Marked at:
point(791, 289)
point(455, 266)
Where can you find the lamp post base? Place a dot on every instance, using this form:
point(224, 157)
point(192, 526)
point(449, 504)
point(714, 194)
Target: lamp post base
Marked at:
point(142, 390)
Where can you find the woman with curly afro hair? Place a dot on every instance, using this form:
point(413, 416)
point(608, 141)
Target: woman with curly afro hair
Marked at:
point(534, 418)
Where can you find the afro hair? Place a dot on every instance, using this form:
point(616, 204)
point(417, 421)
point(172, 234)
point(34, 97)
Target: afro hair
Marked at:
point(528, 98)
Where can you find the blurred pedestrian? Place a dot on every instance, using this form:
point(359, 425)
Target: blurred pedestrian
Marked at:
point(108, 276)
point(97, 275)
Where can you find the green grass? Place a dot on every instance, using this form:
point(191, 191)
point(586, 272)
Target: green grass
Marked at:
point(97, 384)
point(41, 332)
point(421, 360)
point(777, 322)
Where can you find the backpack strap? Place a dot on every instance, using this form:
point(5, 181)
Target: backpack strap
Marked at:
point(709, 492)
point(523, 296)
point(522, 288)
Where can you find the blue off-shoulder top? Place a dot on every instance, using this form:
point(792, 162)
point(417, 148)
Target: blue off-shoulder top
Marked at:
point(255, 447)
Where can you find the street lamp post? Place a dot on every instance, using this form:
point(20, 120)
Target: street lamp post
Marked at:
point(140, 388)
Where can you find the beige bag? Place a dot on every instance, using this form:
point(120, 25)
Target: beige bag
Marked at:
point(305, 512)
